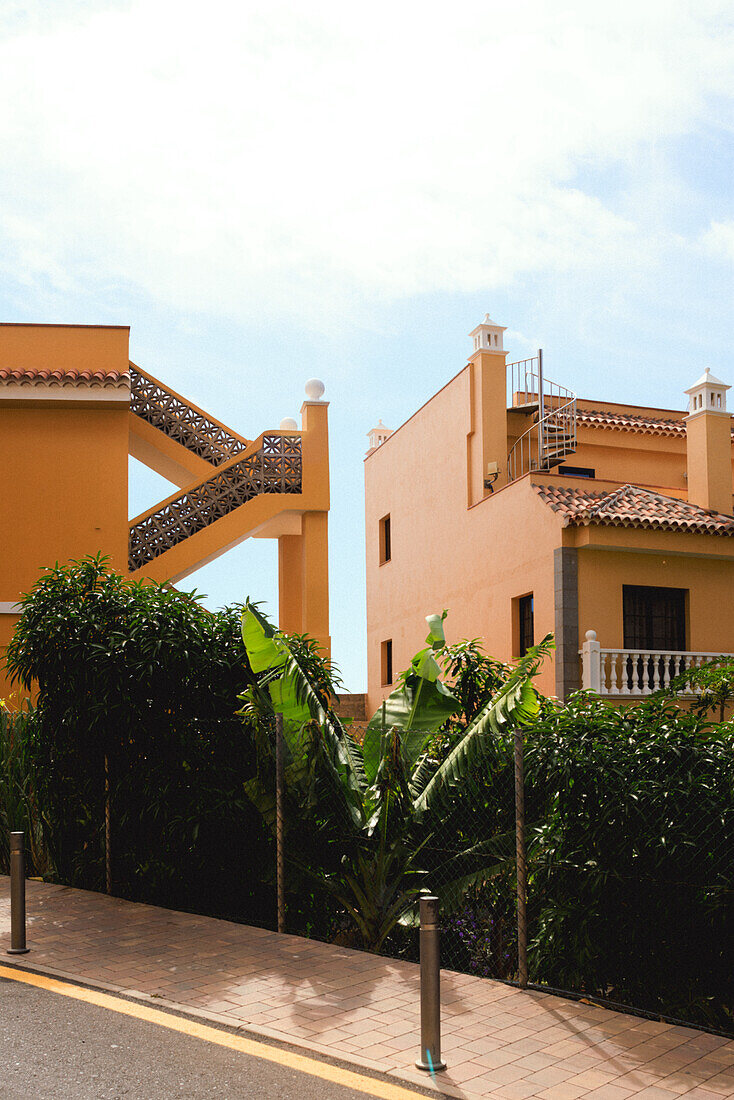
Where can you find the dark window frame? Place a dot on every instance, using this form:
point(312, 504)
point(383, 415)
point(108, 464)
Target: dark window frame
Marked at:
point(654, 617)
point(577, 471)
point(386, 669)
point(526, 622)
point(385, 539)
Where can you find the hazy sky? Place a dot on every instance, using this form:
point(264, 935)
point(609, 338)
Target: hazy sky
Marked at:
point(270, 191)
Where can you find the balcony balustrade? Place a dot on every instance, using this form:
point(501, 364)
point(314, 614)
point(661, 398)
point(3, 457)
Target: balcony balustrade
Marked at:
point(634, 672)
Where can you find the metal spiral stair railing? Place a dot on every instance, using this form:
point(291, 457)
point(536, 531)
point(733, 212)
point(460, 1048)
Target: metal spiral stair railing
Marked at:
point(552, 435)
point(275, 468)
point(181, 422)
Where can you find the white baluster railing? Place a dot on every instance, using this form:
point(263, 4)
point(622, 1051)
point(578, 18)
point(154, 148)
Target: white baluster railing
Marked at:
point(635, 672)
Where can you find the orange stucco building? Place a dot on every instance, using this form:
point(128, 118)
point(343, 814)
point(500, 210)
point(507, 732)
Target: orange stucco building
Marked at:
point(525, 510)
point(73, 407)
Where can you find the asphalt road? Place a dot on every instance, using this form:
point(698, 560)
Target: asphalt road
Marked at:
point(56, 1048)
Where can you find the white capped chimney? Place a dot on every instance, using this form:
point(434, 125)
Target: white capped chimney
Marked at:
point(707, 395)
point(708, 445)
point(378, 435)
point(487, 336)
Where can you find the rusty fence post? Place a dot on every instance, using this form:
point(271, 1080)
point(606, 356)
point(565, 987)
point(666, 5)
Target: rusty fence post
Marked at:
point(279, 819)
point(17, 896)
point(521, 866)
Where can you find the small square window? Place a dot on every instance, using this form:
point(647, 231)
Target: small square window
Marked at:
point(386, 662)
point(385, 540)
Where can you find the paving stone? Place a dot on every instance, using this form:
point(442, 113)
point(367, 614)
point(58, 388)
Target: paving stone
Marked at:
point(501, 1043)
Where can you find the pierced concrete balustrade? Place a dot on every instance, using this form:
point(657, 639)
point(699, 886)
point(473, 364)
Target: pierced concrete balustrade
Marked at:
point(276, 467)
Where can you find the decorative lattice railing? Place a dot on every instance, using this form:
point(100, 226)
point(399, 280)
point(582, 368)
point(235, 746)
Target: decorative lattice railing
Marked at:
point(162, 409)
point(275, 468)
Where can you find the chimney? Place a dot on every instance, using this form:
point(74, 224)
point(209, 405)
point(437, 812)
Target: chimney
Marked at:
point(487, 336)
point(487, 435)
point(708, 431)
point(377, 436)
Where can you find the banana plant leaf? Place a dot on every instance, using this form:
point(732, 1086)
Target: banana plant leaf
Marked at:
point(262, 799)
point(418, 707)
point(263, 650)
point(267, 654)
point(286, 701)
point(516, 704)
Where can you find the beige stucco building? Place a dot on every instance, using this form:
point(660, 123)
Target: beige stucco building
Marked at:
point(525, 510)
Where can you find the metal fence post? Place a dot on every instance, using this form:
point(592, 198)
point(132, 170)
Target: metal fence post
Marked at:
point(521, 866)
point(17, 896)
point(430, 1058)
point(279, 822)
point(107, 828)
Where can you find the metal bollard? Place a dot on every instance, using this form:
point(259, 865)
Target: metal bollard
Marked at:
point(17, 896)
point(430, 1058)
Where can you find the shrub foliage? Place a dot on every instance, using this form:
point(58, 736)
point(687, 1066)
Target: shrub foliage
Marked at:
point(631, 824)
point(141, 675)
point(630, 810)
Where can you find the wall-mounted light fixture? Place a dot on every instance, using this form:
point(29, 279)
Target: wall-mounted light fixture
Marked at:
point(493, 472)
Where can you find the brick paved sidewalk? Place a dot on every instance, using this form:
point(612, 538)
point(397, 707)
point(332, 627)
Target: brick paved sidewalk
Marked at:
point(498, 1042)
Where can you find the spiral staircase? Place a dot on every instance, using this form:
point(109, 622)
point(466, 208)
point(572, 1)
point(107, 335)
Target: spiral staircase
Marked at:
point(551, 435)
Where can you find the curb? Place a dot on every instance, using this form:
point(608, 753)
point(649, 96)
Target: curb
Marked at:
point(396, 1072)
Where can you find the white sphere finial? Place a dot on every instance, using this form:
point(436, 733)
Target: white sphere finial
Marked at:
point(288, 425)
point(315, 389)
point(590, 635)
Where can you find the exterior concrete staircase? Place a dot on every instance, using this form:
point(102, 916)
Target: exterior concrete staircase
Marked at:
point(229, 486)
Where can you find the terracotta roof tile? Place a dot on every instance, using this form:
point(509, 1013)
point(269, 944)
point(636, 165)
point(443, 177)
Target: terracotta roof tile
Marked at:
point(631, 422)
point(41, 376)
point(632, 506)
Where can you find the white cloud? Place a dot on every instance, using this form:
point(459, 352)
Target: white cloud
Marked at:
point(264, 157)
point(719, 239)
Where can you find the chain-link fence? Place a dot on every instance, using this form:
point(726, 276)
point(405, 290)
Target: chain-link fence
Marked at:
point(630, 882)
point(631, 890)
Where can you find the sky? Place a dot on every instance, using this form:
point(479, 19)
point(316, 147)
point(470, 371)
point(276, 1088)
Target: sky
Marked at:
point(271, 191)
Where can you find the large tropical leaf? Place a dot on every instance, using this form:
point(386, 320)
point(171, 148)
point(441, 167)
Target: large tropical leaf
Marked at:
point(516, 704)
point(262, 799)
point(294, 695)
point(473, 867)
point(418, 707)
point(259, 636)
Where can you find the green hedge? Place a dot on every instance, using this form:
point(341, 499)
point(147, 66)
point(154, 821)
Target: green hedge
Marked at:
point(141, 676)
point(631, 829)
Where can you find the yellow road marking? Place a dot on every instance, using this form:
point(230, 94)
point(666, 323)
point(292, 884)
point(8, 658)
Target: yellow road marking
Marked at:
point(300, 1062)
